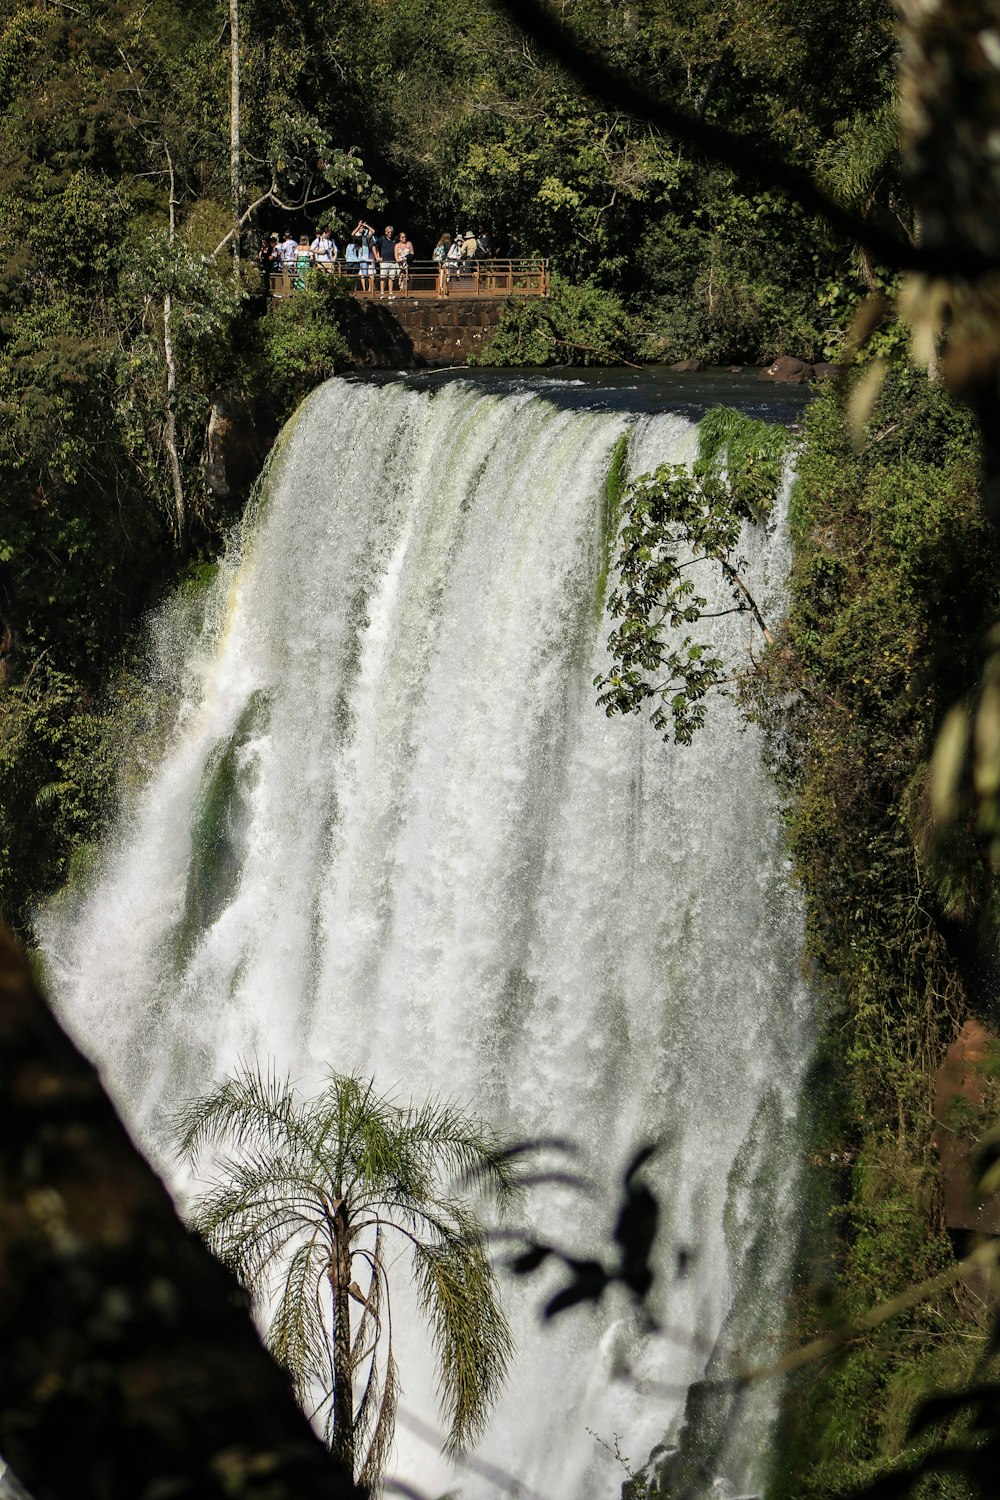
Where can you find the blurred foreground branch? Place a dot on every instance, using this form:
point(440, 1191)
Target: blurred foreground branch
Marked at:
point(128, 1368)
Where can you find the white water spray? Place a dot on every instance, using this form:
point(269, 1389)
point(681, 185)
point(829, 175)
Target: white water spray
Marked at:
point(390, 831)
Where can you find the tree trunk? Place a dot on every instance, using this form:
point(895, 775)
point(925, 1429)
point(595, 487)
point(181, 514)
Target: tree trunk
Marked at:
point(343, 1374)
point(170, 426)
point(235, 186)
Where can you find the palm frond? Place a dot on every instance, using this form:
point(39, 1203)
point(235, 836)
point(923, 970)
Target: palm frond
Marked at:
point(352, 1130)
point(367, 1408)
point(370, 1322)
point(457, 1291)
point(862, 155)
point(296, 1334)
point(375, 1419)
point(383, 1428)
point(251, 1210)
point(465, 1146)
point(440, 1219)
point(250, 1246)
point(251, 1105)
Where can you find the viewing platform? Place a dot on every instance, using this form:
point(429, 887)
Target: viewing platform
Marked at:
point(472, 280)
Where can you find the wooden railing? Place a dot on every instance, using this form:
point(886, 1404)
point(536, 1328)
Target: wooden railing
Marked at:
point(425, 278)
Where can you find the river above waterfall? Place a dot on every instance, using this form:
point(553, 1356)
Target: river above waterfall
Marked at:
point(389, 830)
point(650, 390)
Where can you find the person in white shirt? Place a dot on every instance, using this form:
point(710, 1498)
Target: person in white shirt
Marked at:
point(324, 249)
point(287, 250)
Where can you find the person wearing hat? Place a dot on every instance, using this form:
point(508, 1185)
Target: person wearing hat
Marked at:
point(453, 258)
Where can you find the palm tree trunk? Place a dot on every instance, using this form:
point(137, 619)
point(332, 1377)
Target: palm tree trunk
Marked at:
point(343, 1375)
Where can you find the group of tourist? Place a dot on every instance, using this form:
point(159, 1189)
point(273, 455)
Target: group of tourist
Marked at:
point(296, 257)
point(386, 255)
point(369, 256)
point(455, 254)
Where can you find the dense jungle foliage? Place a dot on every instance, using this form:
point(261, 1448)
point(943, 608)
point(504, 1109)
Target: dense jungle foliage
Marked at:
point(126, 328)
point(123, 325)
point(894, 598)
point(894, 592)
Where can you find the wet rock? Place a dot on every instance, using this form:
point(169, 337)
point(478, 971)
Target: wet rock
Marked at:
point(826, 371)
point(686, 366)
point(237, 442)
point(788, 371)
point(735, 369)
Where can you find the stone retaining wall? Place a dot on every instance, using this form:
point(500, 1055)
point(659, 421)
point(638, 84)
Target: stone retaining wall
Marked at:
point(409, 333)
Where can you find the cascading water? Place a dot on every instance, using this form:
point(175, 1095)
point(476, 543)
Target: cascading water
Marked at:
point(390, 831)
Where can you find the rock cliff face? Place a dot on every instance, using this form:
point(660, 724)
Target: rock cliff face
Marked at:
point(402, 333)
point(238, 439)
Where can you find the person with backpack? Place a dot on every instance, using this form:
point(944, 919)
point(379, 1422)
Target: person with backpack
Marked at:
point(324, 250)
point(453, 259)
point(440, 256)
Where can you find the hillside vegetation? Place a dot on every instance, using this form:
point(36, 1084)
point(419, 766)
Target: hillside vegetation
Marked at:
point(122, 321)
point(127, 324)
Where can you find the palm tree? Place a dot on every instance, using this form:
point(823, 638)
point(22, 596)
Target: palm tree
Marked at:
point(309, 1200)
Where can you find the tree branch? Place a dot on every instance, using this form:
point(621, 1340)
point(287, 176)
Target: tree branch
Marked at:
point(267, 197)
point(751, 604)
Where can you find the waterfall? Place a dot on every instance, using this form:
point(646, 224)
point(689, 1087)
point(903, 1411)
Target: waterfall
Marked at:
point(389, 830)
